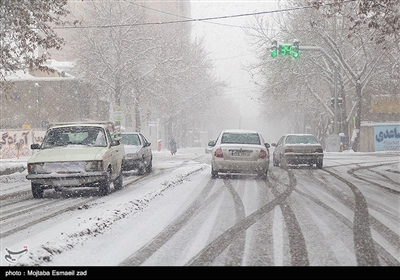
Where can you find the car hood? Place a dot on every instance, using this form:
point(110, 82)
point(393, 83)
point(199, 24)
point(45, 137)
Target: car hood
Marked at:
point(131, 149)
point(68, 153)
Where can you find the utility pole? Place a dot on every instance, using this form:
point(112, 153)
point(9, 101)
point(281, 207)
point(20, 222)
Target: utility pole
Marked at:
point(358, 117)
point(334, 64)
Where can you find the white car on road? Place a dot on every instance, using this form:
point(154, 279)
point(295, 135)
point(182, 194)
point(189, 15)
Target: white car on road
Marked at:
point(86, 154)
point(240, 151)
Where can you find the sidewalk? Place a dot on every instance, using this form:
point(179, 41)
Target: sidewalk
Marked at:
point(12, 165)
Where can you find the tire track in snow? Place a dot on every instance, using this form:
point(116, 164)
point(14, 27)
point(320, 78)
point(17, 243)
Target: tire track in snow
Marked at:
point(366, 254)
point(218, 245)
point(387, 179)
point(297, 243)
point(236, 249)
point(348, 201)
point(157, 242)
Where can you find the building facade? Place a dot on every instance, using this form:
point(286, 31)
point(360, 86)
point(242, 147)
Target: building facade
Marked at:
point(36, 98)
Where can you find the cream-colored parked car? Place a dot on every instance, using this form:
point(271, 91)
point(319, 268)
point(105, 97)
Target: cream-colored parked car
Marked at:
point(85, 154)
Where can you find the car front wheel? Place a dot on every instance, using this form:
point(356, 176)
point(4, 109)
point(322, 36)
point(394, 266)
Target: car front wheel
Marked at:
point(141, 167)
point(105, 188)
point(37, 190)
point(150, 166)
point(118, 183)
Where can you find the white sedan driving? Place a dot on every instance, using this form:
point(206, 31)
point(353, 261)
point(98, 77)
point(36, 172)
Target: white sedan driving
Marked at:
point(240, 151)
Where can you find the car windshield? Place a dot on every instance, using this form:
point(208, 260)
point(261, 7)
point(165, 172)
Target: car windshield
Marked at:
point(301, 139)
point(240, 138)
point(77, 135)
point(131, 139)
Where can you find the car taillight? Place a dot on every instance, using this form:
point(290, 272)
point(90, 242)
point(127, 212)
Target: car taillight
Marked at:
point(262, 154)
point(289, 150)
point(218, 153)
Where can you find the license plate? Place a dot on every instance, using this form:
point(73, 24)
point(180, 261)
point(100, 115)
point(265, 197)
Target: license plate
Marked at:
point(64, 167)
point(240, 153)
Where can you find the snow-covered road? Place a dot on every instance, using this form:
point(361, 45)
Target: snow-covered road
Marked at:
point(346, 214)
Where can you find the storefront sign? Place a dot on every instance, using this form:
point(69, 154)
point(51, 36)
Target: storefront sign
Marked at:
point(387, 137)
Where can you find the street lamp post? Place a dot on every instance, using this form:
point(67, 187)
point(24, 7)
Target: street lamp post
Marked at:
point(37, 103)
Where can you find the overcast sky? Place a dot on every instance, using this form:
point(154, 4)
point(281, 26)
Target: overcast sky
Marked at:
point(228, 47)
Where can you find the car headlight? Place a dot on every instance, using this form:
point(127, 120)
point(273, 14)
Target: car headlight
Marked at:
point(132, 156)
point(36, 168)
point(93, 166)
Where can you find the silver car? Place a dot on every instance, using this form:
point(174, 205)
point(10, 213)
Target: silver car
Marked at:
point(138, 153)
point(239, 151)
point(298, 149)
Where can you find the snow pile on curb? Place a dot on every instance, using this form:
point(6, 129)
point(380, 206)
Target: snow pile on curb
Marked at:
point(96, 225)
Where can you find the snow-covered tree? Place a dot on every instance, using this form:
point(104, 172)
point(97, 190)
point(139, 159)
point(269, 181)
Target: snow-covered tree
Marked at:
point(154, 70)
point(383, 16)
point(308, 82)
point(25, 27)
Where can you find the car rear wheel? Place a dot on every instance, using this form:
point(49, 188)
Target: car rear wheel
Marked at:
point(105, 187)
point(37, 190)
point(283, 163)
point(319, 164)
point(263, 175)
point(214, 174)
point(141, 167)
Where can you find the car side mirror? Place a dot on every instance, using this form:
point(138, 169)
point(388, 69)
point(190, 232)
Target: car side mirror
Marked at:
point(211, 143)
point(147, 144)
point(35, 146)
point(115, 143)
point(273, 144)
point(267, 145)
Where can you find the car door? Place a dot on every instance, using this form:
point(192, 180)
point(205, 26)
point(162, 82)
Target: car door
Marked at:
point(146, 148)
point(279, 149)
point(117, 152)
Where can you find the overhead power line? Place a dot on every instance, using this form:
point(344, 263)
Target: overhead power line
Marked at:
point(194, 19)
